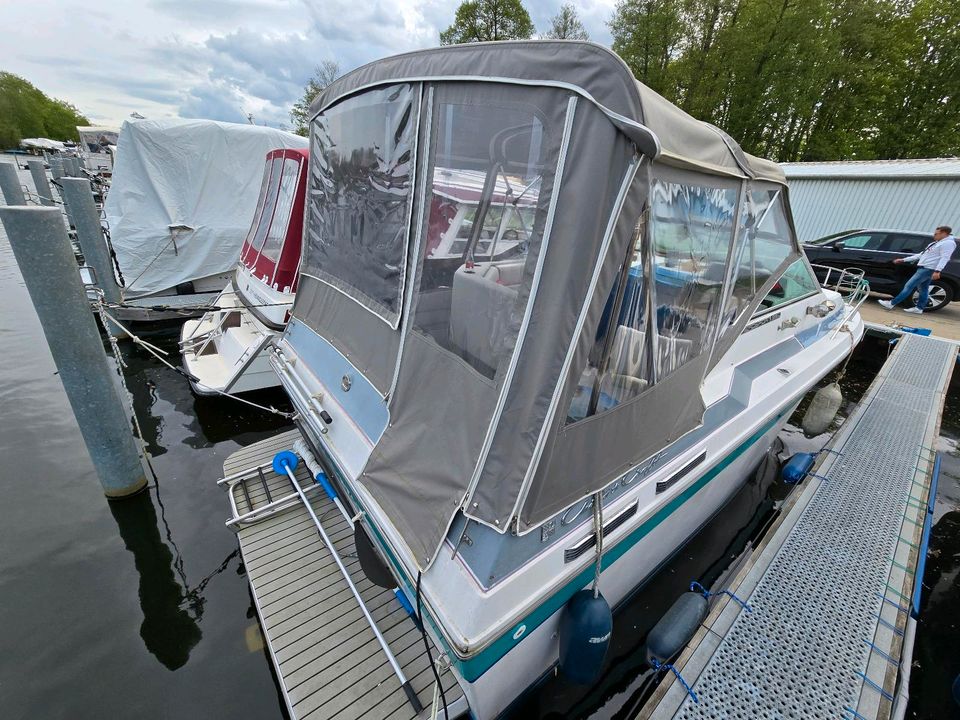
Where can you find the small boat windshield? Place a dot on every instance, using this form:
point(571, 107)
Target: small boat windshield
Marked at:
point(698, 265)
point(271, 226)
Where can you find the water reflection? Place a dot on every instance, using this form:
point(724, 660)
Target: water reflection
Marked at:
point(169, 629)
point(203, 421)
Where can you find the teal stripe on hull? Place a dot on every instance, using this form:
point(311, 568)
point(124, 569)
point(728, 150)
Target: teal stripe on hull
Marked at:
point(472, 668)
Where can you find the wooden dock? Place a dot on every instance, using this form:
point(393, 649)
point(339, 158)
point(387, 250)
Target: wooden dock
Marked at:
point(327, 659)
point(832, 591)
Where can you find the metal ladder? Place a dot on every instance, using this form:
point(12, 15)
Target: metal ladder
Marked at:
point(257, 510)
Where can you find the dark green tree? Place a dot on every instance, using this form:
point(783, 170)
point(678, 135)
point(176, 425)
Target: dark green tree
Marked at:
point(921, 108)
point(648, 35)
point(324, 74)
point(805, 79)
point(566, 25)
point(26, 111)
point(485, 20)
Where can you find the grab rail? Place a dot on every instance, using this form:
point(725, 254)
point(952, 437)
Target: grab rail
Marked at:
point(851, 285)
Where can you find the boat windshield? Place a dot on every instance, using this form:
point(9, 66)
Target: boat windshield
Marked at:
point(265, 205)
point(287, 193)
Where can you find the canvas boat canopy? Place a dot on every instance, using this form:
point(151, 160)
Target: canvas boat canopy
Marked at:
point(182, 197)
point(522, 375)
point(271, 249)
point(43, 144)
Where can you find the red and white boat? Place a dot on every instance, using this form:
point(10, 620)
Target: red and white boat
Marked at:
point(223, 350)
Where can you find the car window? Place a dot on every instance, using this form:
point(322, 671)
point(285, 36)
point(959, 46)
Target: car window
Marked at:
point(907, 242)
point(864, 241)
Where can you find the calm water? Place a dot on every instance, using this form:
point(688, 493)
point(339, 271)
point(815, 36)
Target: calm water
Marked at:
point(140, 608)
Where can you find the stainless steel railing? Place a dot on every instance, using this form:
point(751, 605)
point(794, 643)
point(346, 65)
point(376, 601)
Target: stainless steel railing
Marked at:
point(851, 285)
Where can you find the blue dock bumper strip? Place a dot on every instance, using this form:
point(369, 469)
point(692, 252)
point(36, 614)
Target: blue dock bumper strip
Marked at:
point(925, 542)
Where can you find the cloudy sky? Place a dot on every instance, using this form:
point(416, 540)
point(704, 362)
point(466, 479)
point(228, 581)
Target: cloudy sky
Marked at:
point(218, 59)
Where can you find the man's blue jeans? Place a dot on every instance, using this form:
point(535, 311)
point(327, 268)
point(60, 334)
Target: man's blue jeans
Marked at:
point(921, 279)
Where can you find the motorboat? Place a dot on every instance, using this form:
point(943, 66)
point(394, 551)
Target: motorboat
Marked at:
point(223, 351)
point(98, 145)
point(551, 394)
point(182, 197)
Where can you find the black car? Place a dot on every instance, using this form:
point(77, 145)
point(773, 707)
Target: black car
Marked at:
point(874, 251)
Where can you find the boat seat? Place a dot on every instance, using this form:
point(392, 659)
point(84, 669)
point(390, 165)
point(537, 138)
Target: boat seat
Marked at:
point(481, 310)
point(624, 378)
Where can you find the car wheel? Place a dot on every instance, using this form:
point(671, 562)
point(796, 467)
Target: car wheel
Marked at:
point(940, 296)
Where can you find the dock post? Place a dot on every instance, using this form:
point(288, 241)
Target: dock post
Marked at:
point(39, 174)
point(86, 219)
point(58, 172)
point(10, 185)
point(42, 249)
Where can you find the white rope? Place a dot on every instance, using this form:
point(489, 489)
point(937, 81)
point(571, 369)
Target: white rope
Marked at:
point(598, 533)
point(435, 705)
point(153, 351)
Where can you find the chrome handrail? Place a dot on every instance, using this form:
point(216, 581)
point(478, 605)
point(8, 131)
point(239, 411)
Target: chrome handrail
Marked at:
point(851, 285)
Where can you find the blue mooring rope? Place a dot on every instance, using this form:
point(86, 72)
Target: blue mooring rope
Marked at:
point(658, 666)
point(698, 588)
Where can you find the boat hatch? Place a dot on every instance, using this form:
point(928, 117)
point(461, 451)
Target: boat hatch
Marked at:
point(535, 283)
point(271, 250)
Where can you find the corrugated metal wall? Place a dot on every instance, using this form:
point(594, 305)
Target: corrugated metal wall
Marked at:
point(822, 206)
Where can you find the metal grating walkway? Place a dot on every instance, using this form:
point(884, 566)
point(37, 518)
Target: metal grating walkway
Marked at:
point(830, 591)
point(327, 659)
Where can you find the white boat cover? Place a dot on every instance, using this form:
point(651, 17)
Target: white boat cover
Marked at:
point(183, 195)
point(43, 144)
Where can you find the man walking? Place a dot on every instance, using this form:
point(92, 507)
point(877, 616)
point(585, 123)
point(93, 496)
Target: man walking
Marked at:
point(929, 264)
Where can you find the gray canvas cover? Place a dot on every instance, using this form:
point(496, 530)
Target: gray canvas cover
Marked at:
point(467, 432)
point(442, 406)
point(589, 69)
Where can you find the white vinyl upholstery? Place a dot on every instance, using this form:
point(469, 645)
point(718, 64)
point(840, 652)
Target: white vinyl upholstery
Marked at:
point(481, 309)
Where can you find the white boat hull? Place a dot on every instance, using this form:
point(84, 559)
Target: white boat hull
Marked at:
point(511, 675)
point(225, 350)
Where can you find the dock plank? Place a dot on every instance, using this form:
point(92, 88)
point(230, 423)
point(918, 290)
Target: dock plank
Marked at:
point(328, 660)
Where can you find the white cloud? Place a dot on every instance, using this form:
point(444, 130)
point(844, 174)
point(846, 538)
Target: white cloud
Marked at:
point(219, 58)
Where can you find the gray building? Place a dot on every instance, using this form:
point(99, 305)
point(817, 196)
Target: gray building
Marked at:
point(830, 197)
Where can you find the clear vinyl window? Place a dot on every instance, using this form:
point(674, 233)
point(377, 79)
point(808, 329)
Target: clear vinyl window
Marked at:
point(284, 206)
point(484, 217)
point(618, 366)
point(648, 329)
point(691, 228)
point(361, 181)
point(261, 217)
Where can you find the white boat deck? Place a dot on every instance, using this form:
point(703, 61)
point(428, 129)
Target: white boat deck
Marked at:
point(830, 591)
point(327, 659)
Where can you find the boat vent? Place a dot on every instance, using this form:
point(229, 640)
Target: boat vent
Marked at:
point(572, 553)
point(681, 473)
